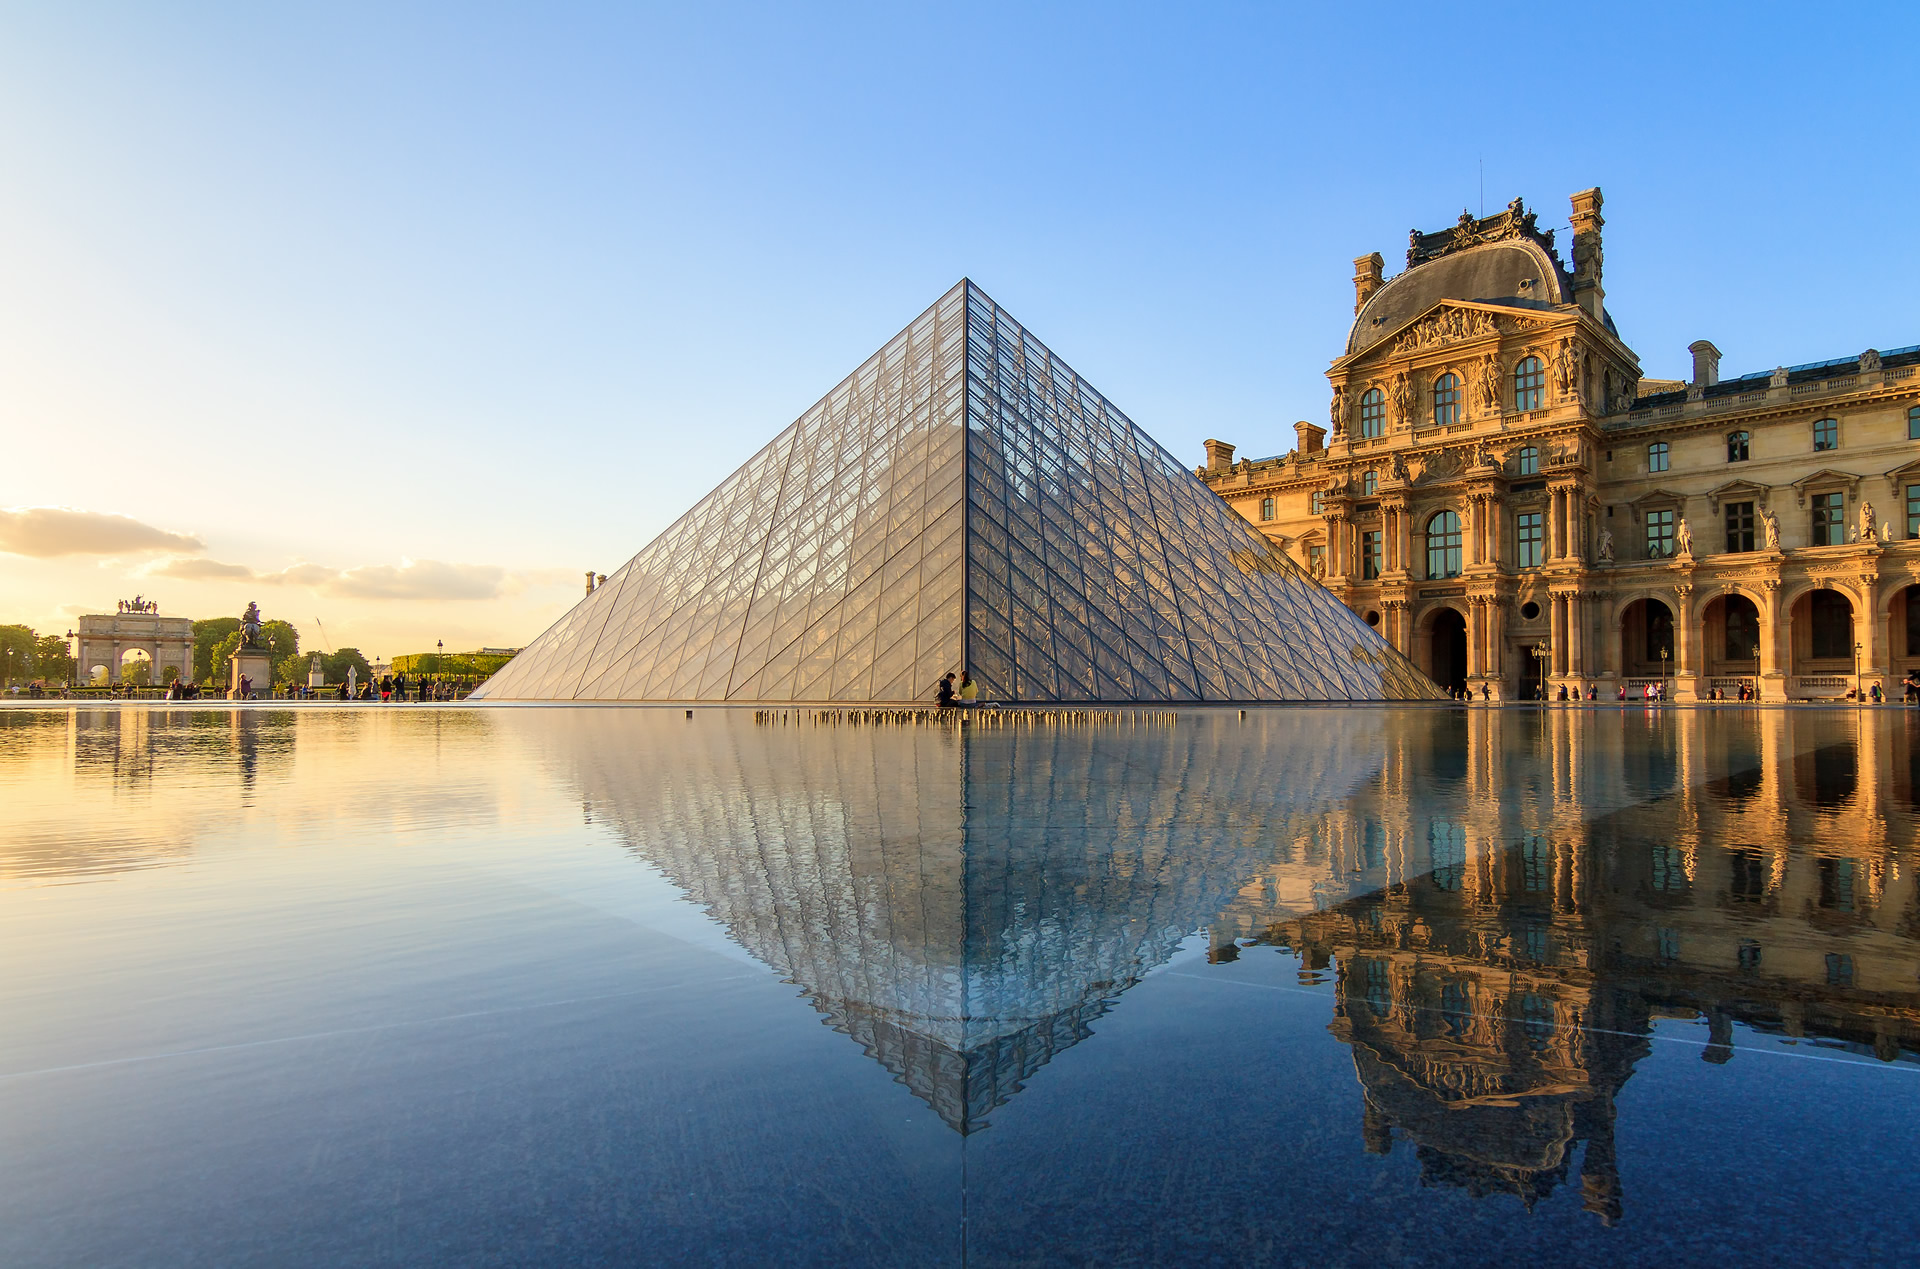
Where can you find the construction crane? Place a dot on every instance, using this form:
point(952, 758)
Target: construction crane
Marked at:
point(324, 641)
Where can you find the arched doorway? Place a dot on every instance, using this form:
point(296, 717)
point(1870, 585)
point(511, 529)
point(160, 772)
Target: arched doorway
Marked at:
point(136, 667)
point(1646, 640)
point(1447, 650)
point(1730, 642)
point(1903, 635)
point(1823, 641)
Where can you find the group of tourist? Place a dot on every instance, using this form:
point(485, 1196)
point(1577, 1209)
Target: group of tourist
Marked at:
point(397, 687)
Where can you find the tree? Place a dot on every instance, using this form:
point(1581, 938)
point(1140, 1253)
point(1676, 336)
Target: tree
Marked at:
point(220, 659)
point(20, 642)
point(337, 665)
point(206, 636)
point(136, 671)
point(53, 659)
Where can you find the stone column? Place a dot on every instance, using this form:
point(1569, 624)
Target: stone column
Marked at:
point(1476, 611)
point(1557, 632)
point(1772, 684)
point(1576, 643)
point(1876, 638)
point(1687, 655)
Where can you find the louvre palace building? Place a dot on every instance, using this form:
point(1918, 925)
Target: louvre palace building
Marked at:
point(1512, 504)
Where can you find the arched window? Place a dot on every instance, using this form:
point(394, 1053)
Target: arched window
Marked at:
point(1373, 413)
point(1443, 545)
point(1527, 462)
point(1370, 483)
point(1736, 447)
point(1266, 508)
point(1826, 434)
point(1657, 456)
point(1529, 384)
point(1446, 399)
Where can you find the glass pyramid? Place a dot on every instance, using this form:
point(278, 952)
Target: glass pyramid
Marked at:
point(963, 500)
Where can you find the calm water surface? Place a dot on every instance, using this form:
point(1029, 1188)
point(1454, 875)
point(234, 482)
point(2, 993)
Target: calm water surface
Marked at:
point(605, 986)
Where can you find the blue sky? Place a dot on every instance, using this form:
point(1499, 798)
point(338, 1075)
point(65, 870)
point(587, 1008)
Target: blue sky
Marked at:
point(491, 294)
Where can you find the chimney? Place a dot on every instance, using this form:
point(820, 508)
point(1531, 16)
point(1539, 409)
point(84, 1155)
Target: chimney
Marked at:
point(1587, 259)
point(1706, 363)
point(1366, 278)
point(1312, 438)
point(1219, 456)
point(589, 581)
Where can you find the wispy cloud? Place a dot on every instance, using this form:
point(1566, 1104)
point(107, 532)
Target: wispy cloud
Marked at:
point(195, 570)
point(48, 532)
point(419, 579)
point(410, 579)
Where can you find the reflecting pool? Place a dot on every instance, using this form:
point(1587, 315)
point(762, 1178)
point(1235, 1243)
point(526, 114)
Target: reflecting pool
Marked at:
point(389, 986)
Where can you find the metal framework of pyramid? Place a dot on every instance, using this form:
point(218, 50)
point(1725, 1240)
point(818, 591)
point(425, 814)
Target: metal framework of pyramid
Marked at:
point(963, 500)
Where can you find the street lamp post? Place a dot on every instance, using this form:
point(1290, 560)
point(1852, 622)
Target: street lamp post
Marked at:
point(1665, 692)
point(1858, 693)
point(1541, 653)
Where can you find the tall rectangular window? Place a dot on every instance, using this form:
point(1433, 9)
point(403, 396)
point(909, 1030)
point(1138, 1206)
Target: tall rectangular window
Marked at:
point(1913, 511)
point(1370, 555)
point(1826, 434)
point(1266, 508)
point(1317, 559)
point(1533, 541)
point(1657, 454)
point(1739, 526)
point(1736, 447)
point(1314, 501)
point(1829, 519)
point(1659, 534)
point(1913, 424)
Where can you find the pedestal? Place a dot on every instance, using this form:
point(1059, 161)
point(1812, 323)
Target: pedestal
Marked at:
point(255, 665)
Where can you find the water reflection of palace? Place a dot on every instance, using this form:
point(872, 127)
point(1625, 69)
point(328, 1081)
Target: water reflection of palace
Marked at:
point(1499, 978)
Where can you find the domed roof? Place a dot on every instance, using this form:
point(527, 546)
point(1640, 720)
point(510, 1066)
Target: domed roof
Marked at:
point(1515, 272)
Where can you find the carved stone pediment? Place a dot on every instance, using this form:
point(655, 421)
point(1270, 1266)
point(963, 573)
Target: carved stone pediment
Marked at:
point(1826, 477)
point(1735, 490)
point(1659, 498)
point(1905, 474)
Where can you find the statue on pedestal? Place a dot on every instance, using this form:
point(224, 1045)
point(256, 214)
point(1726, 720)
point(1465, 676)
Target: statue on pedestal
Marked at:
point(1770, 523)
point(1683, 539)
point(1867, 526)
point(1606, 545)
point(250, 626)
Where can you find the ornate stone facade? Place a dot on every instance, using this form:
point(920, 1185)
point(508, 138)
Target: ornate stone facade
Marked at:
point(1514, 506)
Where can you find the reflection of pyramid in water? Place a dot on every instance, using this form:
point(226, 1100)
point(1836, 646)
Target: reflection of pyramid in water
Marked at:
point(964, 932)
point(961, 500)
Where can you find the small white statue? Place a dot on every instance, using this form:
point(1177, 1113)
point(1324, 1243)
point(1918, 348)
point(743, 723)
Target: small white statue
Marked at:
point(1683, 538)
point(1771, 524)
point(1606, 545)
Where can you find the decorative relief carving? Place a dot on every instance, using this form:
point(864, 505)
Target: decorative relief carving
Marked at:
point(1515, 222)
point(1338, 413)
point(1447, 326)
point(1403, 399)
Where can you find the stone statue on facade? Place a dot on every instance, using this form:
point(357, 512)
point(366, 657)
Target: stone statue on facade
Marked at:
point(1490, 384)
point(1403, 399)
point(1338, 413)
point(1397, 465)
point(1770, 525)
point(1606, 545)
point(250, 626)
point(1867, 526)
point(1683, 539)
